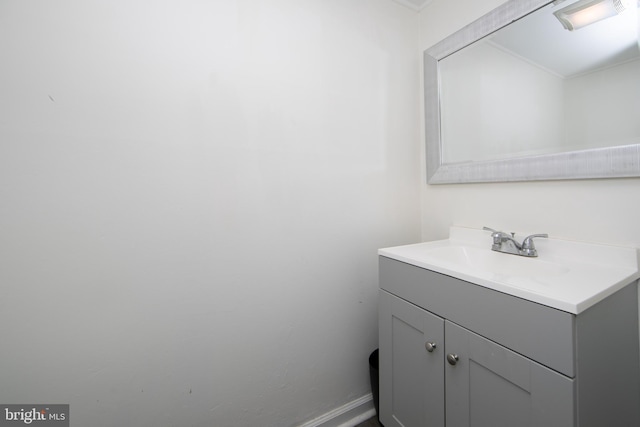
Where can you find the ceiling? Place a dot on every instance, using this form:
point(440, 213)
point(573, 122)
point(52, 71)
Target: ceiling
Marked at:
point(414, 4)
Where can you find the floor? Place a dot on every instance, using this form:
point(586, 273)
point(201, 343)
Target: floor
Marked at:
point(371, 422)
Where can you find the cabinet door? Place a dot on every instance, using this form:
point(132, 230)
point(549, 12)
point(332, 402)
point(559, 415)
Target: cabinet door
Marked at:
point(491, 386)
point(411, 365)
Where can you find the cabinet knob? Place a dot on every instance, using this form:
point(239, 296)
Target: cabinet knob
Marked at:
point(452, 358)
point(430, 346)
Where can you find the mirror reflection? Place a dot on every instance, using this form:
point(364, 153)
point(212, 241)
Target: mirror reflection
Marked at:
point(548, 83)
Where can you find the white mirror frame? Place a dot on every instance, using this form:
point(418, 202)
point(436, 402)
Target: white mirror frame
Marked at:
point(611, 162)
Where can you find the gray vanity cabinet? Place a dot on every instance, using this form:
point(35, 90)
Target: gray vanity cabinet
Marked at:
point(456, 354)
point(412, 378)
point(482, 380)
point(496, 387)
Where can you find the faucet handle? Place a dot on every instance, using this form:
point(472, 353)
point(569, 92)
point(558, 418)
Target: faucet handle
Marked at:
point(496, 235)
point(528, 241)
point(528, 248)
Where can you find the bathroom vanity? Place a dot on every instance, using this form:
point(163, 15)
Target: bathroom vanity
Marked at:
point(472, 337)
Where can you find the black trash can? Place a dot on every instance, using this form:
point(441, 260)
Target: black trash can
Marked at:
point(373, 376)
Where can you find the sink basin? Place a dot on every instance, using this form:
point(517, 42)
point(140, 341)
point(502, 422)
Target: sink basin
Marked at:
point(567, 275)
point(486, 260)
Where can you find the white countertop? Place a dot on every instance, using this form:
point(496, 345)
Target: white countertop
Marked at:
point(567, 275)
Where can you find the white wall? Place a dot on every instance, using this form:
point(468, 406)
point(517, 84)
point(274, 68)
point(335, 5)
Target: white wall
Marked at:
point(497, 105)
point(191, 198)
point(603, 107)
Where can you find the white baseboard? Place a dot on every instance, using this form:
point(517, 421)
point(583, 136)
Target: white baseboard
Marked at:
point(349, 415)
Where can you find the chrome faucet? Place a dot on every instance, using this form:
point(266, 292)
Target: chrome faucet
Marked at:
point(503, 242)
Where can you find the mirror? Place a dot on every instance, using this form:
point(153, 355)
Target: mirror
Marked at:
point(515, 96)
